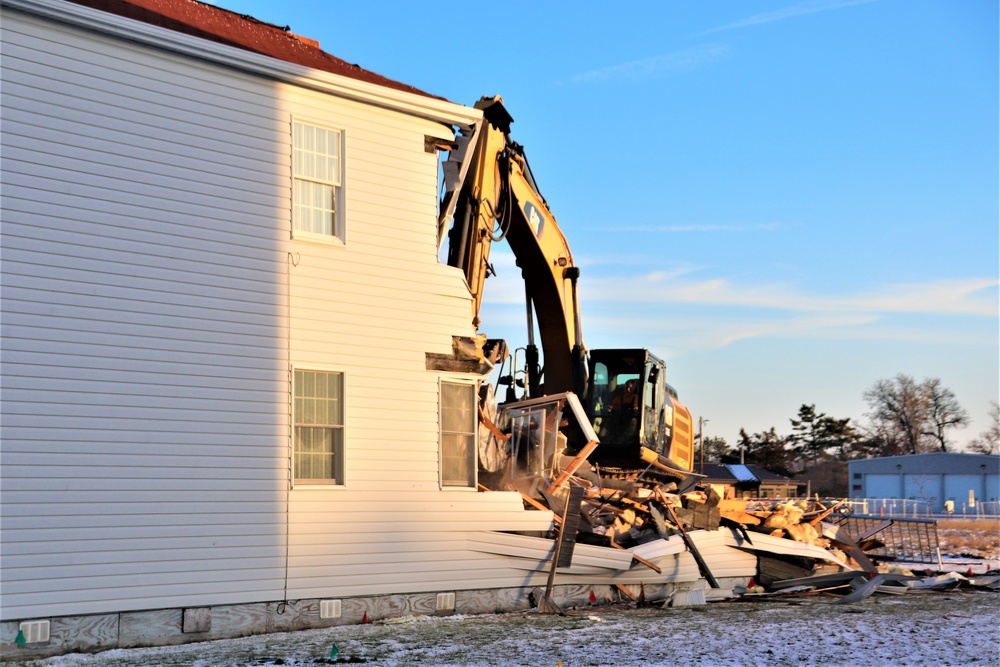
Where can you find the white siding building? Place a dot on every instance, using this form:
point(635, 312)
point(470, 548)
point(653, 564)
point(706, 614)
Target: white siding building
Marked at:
point(220, 291)
point(159, 301)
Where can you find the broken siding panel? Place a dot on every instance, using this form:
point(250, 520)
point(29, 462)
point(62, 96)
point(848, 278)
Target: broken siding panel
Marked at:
point(540, 550)
point(87, 210)
point(786, 547)
point(723, 559)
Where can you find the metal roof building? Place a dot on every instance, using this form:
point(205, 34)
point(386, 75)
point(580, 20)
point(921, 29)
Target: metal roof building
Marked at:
point(750, 481)
point(935, 479)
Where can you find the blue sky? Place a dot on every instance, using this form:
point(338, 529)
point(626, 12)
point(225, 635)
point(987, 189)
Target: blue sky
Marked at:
point(785, 200)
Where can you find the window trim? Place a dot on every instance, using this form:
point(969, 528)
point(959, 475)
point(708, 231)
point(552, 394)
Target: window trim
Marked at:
point(339, 238)
point(475, 434)
point(317, 368)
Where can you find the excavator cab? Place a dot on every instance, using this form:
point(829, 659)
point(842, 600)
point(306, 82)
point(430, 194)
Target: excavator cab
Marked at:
point(631, 406)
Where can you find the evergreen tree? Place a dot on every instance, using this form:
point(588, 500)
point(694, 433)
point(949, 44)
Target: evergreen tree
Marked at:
point(717, 449)
point(817, 435)
point(768, 450)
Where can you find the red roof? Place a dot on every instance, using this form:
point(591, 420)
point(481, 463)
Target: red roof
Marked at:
point(244, 32)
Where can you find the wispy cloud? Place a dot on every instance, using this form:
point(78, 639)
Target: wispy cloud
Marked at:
point(955, 297)
point(675, 309)
point(765, 227)
point(656, 66)
point(801, 9)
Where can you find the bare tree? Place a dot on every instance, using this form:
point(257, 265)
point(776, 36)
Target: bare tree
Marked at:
point(988, 442)
point(878, 439)
point(899, 407)
point(910, 417)
point(943, 411)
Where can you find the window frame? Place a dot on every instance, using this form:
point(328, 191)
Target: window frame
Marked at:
point(338, 237)
point(341, 456)
point(474, 449)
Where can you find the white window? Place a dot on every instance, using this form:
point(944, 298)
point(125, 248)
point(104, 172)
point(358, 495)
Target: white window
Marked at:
point(459, 419)
point(318, 416)
point(316, 181)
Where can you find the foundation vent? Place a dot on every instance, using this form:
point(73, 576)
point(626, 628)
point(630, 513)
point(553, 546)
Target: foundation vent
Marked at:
point(329, 608)
point(445, 601)
point(35, 632)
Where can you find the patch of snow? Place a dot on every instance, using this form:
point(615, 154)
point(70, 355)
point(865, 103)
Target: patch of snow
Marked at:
point(953, 628)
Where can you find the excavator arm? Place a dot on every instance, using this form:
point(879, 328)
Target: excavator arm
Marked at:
point(494, 197)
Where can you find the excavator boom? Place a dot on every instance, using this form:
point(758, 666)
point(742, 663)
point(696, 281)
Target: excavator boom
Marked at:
point(492, 196)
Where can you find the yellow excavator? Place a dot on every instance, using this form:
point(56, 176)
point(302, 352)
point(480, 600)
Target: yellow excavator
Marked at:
point(490, 196)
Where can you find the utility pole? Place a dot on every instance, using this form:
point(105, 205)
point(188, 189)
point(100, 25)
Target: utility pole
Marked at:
point(701, 442)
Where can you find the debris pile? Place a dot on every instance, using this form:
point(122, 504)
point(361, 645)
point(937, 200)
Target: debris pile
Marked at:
point(658, 499)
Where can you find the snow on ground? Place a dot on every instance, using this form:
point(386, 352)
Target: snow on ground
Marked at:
point(918, 629)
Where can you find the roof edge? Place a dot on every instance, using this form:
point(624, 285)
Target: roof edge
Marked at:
point(117, 26)
point(910, 456)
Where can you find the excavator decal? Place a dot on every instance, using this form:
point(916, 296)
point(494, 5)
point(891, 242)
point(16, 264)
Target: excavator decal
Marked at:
point(534, 219)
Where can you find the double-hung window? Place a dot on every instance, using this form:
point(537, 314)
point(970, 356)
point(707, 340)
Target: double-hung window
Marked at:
point(459, 418)
point(318, 413)
point(317, 172)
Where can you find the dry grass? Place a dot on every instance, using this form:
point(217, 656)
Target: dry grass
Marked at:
point(979, 537)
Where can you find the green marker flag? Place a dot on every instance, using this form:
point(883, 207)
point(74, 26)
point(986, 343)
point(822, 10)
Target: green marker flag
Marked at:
point(333, 652)
point(20, 641)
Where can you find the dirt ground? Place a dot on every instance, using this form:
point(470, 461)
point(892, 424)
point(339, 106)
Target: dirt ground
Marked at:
point(952, 628)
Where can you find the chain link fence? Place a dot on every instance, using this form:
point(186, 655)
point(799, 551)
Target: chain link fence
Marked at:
point(900, 508)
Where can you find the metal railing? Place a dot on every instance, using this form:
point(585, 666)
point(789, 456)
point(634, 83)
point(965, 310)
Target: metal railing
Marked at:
point(902, 508)
point(907, 540)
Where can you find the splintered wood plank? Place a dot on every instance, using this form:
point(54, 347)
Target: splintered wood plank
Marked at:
point(639, 559)
point(538, 506)
point(626, 592)
point(574, 465)
point(825, 513)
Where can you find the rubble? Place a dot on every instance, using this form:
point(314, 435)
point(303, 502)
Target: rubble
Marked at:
point(630, 509)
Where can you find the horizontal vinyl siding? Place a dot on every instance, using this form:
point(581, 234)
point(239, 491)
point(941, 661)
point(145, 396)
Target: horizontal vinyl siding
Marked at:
point(149, 282)
point(144, 341)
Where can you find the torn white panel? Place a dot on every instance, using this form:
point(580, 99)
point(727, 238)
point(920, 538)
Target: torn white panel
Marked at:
point(539, 550)
point(786, 547)
point(718, 549)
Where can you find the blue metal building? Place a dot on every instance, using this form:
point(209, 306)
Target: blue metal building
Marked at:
point(945, 481)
